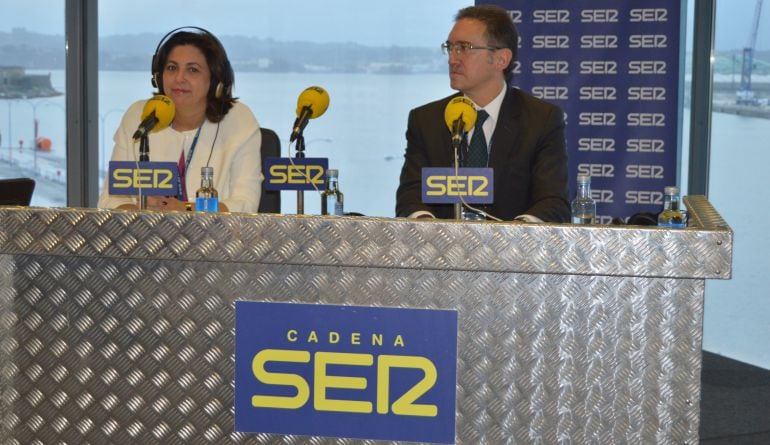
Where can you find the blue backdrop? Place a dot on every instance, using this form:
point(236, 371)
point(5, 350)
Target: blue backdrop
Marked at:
point(614, 68)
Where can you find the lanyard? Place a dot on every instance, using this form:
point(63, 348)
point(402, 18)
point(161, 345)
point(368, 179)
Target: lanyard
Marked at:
point(183, 170)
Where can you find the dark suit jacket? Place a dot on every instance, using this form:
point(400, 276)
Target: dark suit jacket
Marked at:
point(528, 155)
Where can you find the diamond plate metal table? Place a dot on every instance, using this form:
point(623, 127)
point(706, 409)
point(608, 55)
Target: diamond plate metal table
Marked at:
point(116, 327)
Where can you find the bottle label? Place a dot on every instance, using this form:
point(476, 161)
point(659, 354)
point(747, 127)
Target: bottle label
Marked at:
point(582, 219)
point(672, 225)
point(207, 204)
point(338, 208)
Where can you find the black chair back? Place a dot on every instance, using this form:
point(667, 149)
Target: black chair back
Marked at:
point(16, 191)
point(270, 201)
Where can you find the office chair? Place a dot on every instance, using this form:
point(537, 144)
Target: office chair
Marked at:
point(16, 191)
point(270, 201)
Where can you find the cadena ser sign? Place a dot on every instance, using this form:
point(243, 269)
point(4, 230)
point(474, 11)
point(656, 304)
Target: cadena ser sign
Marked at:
point(345, 371)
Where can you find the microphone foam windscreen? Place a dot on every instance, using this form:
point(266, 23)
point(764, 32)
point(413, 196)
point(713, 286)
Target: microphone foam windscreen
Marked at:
point(315, 98)
point(460, 108)
point(164, 109)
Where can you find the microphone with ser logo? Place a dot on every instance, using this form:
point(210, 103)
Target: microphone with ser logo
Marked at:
point(312, 102)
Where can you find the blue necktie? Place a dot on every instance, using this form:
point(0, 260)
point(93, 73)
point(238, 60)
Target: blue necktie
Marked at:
point(477, 149)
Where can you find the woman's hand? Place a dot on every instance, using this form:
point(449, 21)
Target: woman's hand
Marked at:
point(165, 204)
point(168, 204)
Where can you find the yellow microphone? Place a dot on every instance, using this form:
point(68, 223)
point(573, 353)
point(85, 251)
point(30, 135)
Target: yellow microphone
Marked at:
point(157, 114)
point(312, 102)
point(460, 117)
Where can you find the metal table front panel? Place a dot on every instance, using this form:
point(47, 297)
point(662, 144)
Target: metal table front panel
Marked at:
point(117, 327)
point(129, 351)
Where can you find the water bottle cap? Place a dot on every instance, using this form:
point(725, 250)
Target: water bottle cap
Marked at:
point(332, 172)
point(207, 171)
point(584, 179)
point(671, 190)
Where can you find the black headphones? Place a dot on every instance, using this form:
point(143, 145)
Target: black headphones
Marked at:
point(219, 86)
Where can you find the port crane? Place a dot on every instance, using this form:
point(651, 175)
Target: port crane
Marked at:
point(745, 95)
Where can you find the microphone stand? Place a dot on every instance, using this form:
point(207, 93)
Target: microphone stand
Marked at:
point(144, 156)
point(459, 159)
point(299, 148)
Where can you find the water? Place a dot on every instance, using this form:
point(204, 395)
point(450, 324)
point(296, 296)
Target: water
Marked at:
point(332, 200)
point(583, 219)
point(672, 222)
point(583, 206)
point(207, 197)
point(204, 202)
point(672, 218)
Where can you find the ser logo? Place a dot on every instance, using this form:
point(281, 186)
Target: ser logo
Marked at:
point(646, 120)
point(596, 144)
point(597, 170)
point(599, 16)
point(648, 41)
point(597, 119)
point(598, 93)
point(647, 67)
point(295, 174)
point(645, 145)
point(473, 185)
point(550, 42)
point(550, 16)
point(362, 372)
point(600, 41)
point(644, 171)
point(550, 67)
point(147, 178)
point(646, 93)
point(643, 197)
point(447, 186)
point(649, 15)
point(550, 93)
point(322, 362)
point(598, 67)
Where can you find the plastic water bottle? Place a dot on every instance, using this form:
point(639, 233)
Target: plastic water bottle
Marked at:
point(672, 214)
point(332, 199)
point(583, 206)
point(207, 197)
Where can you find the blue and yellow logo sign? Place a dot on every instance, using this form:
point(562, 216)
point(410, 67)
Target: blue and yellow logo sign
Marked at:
point(345, 371)
point(448, 186)
point(295, 174)
point(152, 178)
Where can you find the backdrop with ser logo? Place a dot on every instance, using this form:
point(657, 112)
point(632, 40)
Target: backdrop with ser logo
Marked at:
point(614, 68)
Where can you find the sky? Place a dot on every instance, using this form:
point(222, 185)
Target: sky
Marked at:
point(398, 22)
point(393, 22)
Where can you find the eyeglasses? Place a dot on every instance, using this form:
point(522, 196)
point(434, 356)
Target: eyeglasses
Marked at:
point(462, 48)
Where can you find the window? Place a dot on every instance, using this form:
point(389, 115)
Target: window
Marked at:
point(376, 60)
point(737, 311)
point(32, 101)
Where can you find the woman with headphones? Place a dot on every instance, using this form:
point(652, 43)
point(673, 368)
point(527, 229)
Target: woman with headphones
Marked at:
point(209, 128)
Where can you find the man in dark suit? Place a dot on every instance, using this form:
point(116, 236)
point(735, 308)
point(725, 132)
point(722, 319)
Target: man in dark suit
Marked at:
point(527, 146)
